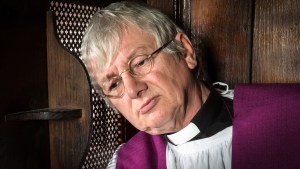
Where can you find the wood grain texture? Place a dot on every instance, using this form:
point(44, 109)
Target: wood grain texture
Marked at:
point(182, 15)
point(67, 86)
point(165, 6)
point(225, 29)
point(276, 42)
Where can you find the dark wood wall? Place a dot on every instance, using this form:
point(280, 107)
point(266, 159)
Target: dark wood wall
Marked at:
point(276, 41)
point(246, 41)
point(23, 86)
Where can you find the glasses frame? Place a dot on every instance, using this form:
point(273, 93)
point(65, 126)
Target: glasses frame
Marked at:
point(129, 69)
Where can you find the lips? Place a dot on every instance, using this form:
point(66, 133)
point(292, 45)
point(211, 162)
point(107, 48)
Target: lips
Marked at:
point(148, 105)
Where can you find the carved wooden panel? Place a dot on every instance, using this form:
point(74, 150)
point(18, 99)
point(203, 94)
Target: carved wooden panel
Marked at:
point(67, 86)
point(90, 141)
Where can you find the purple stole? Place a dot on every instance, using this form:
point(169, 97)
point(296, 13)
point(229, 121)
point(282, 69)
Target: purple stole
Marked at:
point(143, 151)
point(266, 126)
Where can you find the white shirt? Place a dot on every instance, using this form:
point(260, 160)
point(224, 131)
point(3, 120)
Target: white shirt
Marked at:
point(210, 153)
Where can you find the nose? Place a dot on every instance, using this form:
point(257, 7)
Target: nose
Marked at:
point(134, 87)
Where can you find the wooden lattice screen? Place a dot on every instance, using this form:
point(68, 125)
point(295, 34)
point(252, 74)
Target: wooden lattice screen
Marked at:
point(107, 127)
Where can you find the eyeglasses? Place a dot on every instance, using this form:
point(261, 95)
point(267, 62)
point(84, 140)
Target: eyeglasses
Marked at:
point(138, 66)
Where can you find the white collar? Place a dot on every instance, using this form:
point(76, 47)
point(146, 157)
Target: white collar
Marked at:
point(184, 135)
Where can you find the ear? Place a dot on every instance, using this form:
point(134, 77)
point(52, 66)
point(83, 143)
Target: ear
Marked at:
point(189, 53)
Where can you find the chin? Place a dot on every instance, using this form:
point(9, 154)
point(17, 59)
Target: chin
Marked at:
point(155, 131)
point(157, 126)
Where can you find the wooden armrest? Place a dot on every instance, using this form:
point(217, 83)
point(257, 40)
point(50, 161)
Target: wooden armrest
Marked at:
point(60, 113)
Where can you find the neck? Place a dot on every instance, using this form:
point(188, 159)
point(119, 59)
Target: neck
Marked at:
point(199, 96)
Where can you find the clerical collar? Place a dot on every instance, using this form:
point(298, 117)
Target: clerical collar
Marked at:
point(213, 116)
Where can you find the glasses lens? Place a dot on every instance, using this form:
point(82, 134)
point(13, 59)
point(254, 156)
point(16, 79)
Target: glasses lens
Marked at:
point(140, 65)
point(113, 87)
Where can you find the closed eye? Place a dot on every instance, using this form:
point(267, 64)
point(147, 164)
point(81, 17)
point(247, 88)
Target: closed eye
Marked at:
point(140, 61)
point(113, 85)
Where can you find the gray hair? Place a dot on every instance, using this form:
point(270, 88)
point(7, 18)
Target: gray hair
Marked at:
point(101, 40)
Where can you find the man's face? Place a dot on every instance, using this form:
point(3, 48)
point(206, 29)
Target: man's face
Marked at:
point(158, 102)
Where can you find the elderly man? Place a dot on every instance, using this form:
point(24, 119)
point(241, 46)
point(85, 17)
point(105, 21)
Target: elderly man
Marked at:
point(146, 69)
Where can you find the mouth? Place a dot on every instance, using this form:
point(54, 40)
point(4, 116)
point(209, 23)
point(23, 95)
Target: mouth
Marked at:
point(148, 105)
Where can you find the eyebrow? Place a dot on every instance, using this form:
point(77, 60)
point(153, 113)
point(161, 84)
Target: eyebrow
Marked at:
point(136, 52)
point(133, 53)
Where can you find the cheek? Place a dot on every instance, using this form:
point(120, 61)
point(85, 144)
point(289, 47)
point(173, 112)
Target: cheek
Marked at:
point(172, 81)
point(171, 88)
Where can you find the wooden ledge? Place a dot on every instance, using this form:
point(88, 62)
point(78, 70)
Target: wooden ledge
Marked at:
point(60, 113)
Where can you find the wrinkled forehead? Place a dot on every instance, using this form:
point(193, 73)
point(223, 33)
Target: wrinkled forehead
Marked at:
point(105, 50)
